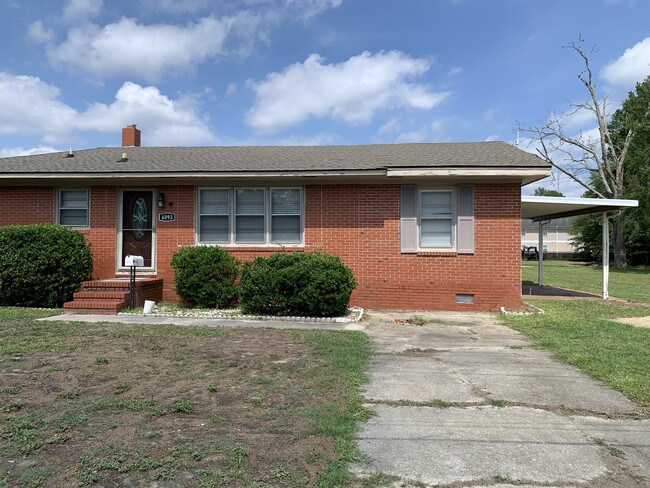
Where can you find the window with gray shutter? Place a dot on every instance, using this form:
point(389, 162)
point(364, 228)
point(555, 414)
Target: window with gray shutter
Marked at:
point(436, 225)
point(466, 219)
point(408, 219)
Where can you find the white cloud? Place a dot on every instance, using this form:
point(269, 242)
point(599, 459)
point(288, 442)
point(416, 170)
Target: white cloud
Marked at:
point(455, 70)
point(127, 48)
point(21, 151)
point(165, 122)
point(312, 8)
point(231, 90)
point(177, 6)
point(352, 91)
point(418, 135)
point(39, 34)
point(31, 106)
point(492, 137)
point(631, 68)
point(81, 10)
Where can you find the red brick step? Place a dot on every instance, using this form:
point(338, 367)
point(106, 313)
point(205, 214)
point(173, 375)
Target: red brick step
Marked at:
point(112, 296)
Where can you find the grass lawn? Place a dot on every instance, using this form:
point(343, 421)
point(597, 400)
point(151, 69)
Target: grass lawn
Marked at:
point(628, 284)
point(581, 333)
point(133, 405)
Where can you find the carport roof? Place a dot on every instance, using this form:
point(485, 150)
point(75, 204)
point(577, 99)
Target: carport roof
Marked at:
point(546, 208)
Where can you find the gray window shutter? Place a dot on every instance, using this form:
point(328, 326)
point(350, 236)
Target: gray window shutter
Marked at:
point(465, 219)
point(409, 219)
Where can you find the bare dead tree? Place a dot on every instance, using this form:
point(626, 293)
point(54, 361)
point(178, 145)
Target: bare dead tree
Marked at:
point(595, 162)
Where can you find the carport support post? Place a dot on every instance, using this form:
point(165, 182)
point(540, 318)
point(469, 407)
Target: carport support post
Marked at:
point(540, 254)
point(605, 256)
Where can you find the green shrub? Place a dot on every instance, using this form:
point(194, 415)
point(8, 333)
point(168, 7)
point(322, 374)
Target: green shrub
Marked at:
point(296, 284)
point(205, 276)
point(41, 265)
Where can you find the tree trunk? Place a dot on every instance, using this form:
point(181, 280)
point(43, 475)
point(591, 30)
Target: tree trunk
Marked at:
point(619, 241)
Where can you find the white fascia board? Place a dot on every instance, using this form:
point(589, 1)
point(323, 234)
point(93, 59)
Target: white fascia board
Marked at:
point(591, 202)
point(475, 172)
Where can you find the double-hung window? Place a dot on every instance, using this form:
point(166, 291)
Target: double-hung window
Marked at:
point(436, 219)
point(286, 216)
point(73, 208)
point(214, 216)
point(249, 216)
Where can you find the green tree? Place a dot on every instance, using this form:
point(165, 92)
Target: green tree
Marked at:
point(634, 115)
point(544, 192)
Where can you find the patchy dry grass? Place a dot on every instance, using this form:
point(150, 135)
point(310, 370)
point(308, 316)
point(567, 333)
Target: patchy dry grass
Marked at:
point(129, 405)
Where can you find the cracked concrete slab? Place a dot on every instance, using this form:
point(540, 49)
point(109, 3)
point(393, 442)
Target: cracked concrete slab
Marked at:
point(630, 437)
point(416, 379)
point(443, 331)
point(532, 377)
point(520, 376)
point(443, 446)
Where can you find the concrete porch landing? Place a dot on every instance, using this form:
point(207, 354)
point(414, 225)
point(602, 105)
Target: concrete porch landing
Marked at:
point(110, 296)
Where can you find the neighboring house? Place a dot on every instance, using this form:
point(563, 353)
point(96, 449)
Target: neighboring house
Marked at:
point(557, 237)
point(423, 226)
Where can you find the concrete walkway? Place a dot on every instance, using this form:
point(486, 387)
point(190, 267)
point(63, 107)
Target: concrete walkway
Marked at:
point(464, 401)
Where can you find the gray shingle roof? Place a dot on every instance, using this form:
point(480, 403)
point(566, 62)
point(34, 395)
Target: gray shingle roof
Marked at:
point(260, 159)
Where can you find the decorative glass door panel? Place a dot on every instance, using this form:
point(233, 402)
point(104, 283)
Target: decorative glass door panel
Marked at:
point(137, 225)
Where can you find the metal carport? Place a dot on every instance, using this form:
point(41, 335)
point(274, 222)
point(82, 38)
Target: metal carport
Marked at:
point(544, 209)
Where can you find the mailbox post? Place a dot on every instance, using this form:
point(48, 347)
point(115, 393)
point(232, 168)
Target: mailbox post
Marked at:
point(132, 262)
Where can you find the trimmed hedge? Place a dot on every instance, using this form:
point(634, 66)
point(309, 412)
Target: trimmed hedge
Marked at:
point(310, 284)
point(205, 276)
point(41, 265)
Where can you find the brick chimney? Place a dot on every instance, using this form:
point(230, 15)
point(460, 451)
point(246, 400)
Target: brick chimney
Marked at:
point(131, 136)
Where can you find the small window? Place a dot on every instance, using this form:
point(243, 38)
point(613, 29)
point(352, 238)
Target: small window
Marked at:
point(523, 232)
point(545, 231)
point(436, 219)
point(545, 248)
point(73, 208)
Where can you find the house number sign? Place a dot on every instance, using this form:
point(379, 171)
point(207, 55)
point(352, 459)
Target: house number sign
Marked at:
point(167, 217)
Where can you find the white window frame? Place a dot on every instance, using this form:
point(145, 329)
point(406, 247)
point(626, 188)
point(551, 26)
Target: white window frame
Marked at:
point(59, 207)
point(199, 215)
point(453, 218)
point(232, 237)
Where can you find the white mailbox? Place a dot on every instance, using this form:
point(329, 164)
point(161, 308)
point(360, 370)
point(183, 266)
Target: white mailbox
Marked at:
point(133, 261)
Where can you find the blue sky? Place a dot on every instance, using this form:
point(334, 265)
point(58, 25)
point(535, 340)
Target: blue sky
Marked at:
point(201, 72)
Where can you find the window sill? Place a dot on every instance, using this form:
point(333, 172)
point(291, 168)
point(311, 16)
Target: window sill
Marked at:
point(446, 254)
point(261, 248)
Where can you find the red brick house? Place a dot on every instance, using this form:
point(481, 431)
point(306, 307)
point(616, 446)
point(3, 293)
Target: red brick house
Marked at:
point(423, 226)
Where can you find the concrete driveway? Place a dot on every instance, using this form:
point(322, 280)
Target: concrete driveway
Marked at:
point(464, 401)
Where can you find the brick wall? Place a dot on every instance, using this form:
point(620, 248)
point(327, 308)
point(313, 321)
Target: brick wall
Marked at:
point(360, 223)
point(27, 205)
point(171, 236)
